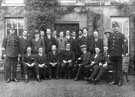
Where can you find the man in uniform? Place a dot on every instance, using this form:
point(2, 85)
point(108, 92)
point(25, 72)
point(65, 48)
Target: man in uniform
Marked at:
point(11, 51)
point(117, 50)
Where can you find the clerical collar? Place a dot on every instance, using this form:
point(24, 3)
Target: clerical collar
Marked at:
point(74, 37)
point(80, 36)
point(40, 54)
point(28, 54)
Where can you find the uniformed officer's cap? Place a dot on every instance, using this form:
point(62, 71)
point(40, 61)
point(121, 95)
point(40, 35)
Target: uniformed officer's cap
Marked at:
point(107, 31)
point(83, 46)
point(115, 24)
point(36, 32)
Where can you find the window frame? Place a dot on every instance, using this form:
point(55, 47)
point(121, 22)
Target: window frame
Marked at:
point(22, 18)
point(12, 4)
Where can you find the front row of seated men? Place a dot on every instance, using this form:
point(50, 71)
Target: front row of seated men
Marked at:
point(64, 65)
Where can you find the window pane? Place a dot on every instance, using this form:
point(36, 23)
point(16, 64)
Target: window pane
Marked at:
point(67, 1)
point(14, 1)
point(18, 24)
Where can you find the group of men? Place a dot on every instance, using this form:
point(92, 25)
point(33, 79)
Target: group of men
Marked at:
point(64, 56)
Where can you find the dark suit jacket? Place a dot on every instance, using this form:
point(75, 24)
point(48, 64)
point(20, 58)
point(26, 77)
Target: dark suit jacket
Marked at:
point(53, 58)
point(97, 44)
point(29, 59)
point(68, 55)
point(98, 59)
point(117, 44)
point(86, 58)
point(37, 44)
point(80, 42)
point(41, 59)
point(24, 43)
point(49, 43)
point(88, 41)
point(74, 46)
point(106, 58)
point(11, 44)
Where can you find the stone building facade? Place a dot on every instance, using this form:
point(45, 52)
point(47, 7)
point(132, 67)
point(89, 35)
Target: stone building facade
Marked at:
point(12, 13)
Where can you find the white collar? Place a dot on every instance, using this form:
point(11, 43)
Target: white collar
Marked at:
point(25, 37)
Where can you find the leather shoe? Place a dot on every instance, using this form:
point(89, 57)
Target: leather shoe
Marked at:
point(38, 80)
point(8, 81)
point(95, 81)
point(76, 79)
point(112, 83)
point(15, 80)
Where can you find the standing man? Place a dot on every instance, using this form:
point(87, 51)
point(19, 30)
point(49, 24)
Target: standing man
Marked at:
point(86, 39)
point(80, 41)
point(42, 34)
point(74, 45)
point(49, 41)
point(54, 34)
point(11, 51)
point(61, 41)
point(96, 42)
point(68, 36)
point(37, 42)
point(24, 43)
point(117, 50)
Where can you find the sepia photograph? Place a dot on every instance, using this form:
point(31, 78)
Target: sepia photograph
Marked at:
point(67, 48)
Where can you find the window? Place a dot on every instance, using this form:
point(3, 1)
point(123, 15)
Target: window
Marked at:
point(124, 26)
point(16, 23)
point(13, 1)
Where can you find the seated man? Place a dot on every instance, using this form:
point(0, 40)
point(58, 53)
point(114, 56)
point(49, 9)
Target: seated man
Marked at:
point(103, 68)
point(29, 63)
point(41, 66)
point(67, 61)
point(53, 62)
point(96, 62)
point(84, 60)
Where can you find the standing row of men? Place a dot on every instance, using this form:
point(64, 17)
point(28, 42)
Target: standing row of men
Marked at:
point(68, 47)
